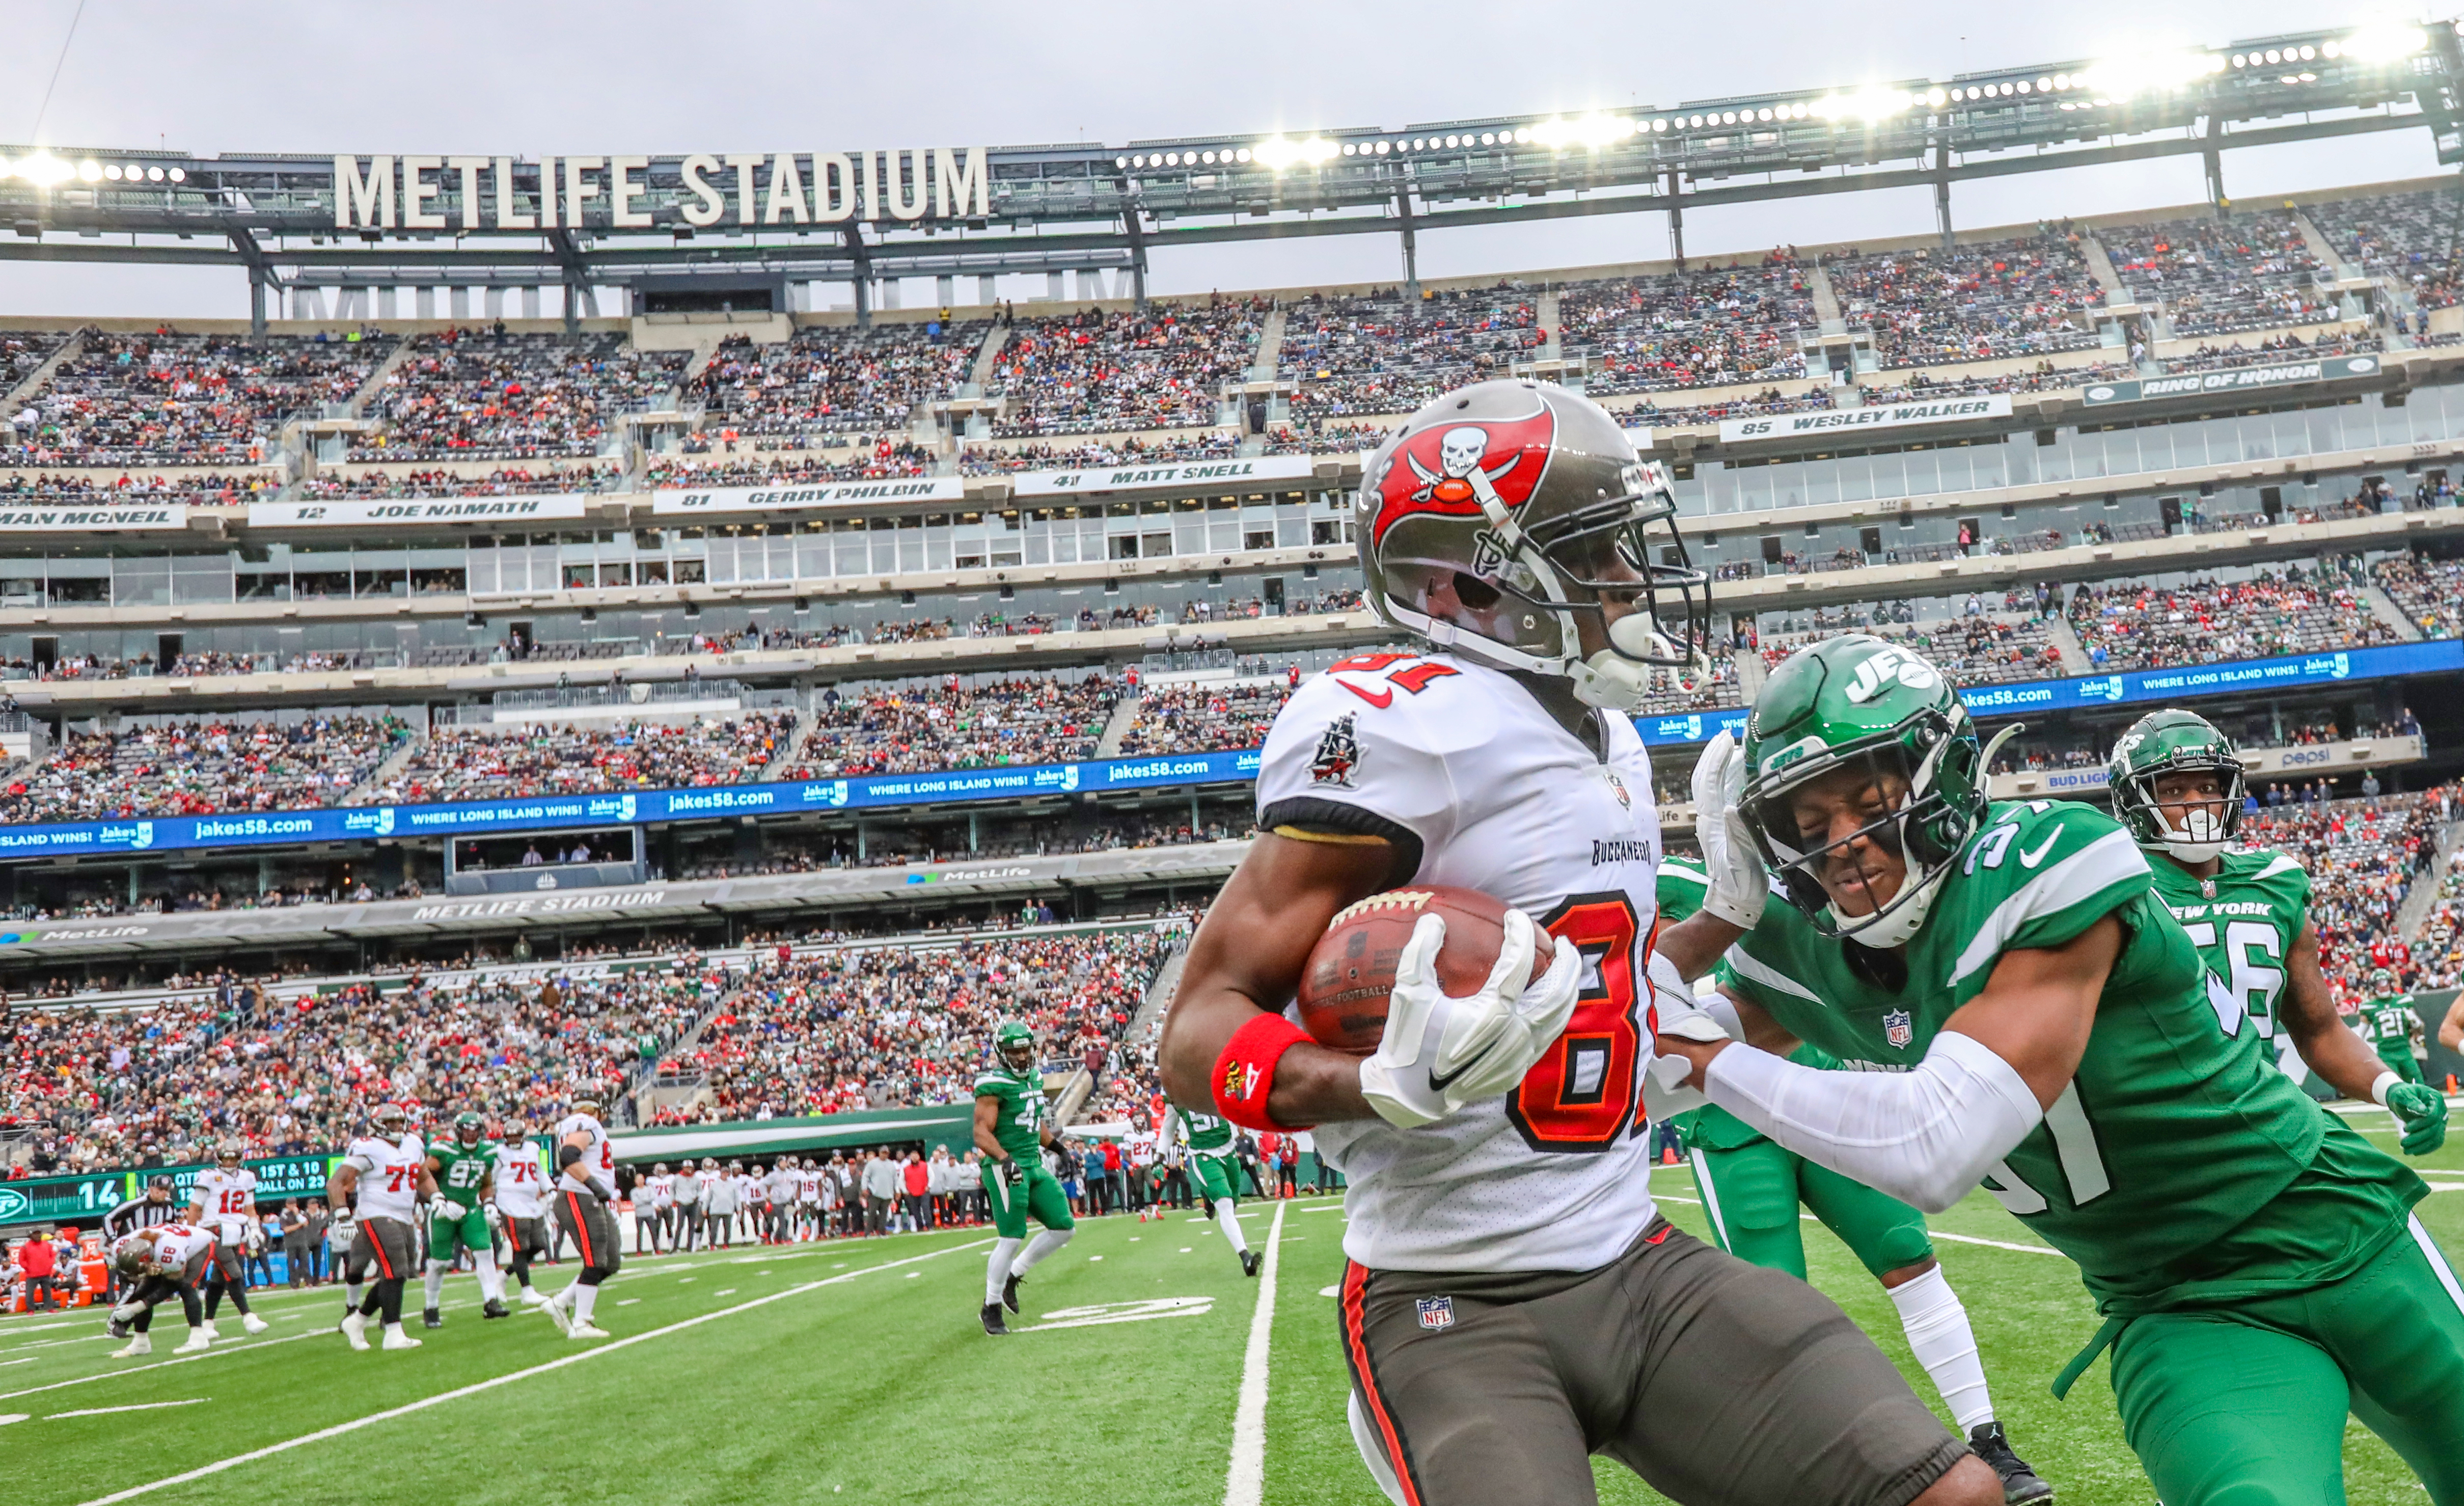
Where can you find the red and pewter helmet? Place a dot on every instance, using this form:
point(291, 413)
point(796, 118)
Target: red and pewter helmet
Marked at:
point(1530, 500)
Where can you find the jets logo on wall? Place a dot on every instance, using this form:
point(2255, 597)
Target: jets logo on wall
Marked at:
point(1457, 470)
point(1338, 753)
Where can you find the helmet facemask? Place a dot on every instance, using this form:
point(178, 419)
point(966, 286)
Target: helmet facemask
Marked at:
point(1926, 772)
point(2191, 831)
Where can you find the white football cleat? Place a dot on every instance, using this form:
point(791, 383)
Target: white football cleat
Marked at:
point(253, 1323)
point(138, 1344)
point(396, 1338)
point(533, 1297)
point(355, 1328)
point(209, 1329)
point(198, 1342)
point(584, 1329)
point(561, 1316)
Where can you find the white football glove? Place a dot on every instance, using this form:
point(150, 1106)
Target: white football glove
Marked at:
point(126, 1312)
point(1442, 1052)
point(1739, 883)
point(449, 1210)
point(1675, 1011)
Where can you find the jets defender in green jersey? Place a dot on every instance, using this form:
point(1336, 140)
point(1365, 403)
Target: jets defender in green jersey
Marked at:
point(2386, 1025)
point(1212, 1171)
point(465, 1168)
point(2177, 786)
point(2030, 1016)
point(1752, 1187)
point(1013, 1125)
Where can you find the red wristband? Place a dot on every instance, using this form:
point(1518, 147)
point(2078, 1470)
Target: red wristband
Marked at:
point(1245, 1072)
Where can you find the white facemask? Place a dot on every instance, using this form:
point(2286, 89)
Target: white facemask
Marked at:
point(2200, 837)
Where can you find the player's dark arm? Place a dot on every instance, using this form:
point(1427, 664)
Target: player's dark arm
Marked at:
point(1762, 1033)
point(427, 1186)
point(2307, 1012)
point(340, 1185)
point(987, 1116)
point(1246, 959)
point(1696, 942)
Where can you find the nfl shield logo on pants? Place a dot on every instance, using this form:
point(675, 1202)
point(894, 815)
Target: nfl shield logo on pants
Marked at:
point(1436, 1312)
point(1898, 1029)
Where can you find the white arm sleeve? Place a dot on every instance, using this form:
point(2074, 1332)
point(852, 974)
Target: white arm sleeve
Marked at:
point(1924, 1136)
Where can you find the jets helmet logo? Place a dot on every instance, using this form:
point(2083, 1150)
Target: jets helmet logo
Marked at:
point(1460, 469)
point(1884, 667)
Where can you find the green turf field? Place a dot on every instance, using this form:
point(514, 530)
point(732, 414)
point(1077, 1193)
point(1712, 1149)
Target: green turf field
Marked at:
point(856, 1372)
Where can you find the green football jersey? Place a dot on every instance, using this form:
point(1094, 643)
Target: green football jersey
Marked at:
point(2173, 1134)
point(2243, 921)
point(462, 1170)
point(1681, 887)
point(2386, 1025)
point(1019, 1124)
point(1205, 1132)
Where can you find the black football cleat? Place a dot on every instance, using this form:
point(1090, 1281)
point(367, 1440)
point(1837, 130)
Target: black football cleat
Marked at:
point(493, 1308)
point(1009, 1292)
point(993, 1323)
point(118, 1329)
point(2021, 1484)
point(432, 1317)
point(1251, 1262)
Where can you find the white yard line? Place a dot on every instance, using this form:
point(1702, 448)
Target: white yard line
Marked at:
point(140, 1407)
point(1245, 1484)
point(237, 1344)
point(338, 1429)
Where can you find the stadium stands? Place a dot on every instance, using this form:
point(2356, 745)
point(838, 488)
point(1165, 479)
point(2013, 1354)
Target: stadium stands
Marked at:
point(472, 395)
point(1095, 370)
point(192, 400)
point(2364, 856)
point(197, 767)
point(2131, 625)
point(1981, 301)
point(1132, 450)
point(490, 764)
point(883, 459)
point(835, 378)
point(1204, 717)
point(370, 486)
point(2219, 276)
point(1386, 355)
point(1691, 328)
point(916, 726)
point(2408, 236)
point(2431, 591)
point(1998, 649)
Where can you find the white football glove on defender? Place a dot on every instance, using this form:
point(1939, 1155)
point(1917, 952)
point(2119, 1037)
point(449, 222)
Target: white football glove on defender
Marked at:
point(449, 1210)
point(1676, 1011)
point(1739, 883)
point(1440, 1053)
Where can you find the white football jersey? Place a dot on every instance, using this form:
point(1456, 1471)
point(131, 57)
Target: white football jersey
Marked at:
point(179, 1244)
point(1503, 799)
point(521, 1180)
point(228, 1199)
point(390, 1173)
point(808, 1186)
point(597, 1157)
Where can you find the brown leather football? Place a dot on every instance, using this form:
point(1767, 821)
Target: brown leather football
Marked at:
point(1350, 971)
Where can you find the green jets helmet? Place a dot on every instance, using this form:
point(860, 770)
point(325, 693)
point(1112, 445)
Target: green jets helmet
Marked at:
point(2176, 741)
point(1015, 1044)
point(467, 1128)
point(1860, 704)
point(2383, 982)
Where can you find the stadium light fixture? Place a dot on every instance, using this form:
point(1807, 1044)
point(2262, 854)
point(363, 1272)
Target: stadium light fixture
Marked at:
point(1592, 131)
point(2131, 74)
point(43, 170)
point(89, 170)
point(2384, 42)
point(1278, 153)
point(1868, 104)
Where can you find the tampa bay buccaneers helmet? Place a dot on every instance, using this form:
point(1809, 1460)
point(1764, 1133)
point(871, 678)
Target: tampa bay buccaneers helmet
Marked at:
point(1530, 502)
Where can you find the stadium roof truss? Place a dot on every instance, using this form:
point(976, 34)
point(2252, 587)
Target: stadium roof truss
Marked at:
point(293, 220)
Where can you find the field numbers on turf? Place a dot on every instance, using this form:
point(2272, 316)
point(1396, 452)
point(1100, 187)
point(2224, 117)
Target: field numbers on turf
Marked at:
point(1143, 1310)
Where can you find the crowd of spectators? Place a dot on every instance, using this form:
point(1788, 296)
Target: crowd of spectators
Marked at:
point(193, 400)
point(2044, 376)
point(228, 488)
point(469, 395)
point(1179, 449)
point(2429, 591)
point(181, 768)
point(1389, 354)
point(2217, 276)
point(504, 480)
point(1650, 414)
point(1972, 649)
point(2131, 625)
point(1708, 327)
point(1987, 300)
point(835, 378)
point(2272, 351)
point(2363, 856)
point(2408, 236)
point(1204, 717)
point(880, 459)
point(1163, 368)
point(859, 1028)
point(982, 723)
point(22, 354)
point(516, 762)
point(1327, 437)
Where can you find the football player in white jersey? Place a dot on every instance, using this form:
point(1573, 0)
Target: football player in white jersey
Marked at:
point(521, 1194)
point(810, 1223)
point(1513, 1300)
point(779, 1187)
point(223, 1201)
point(158, 1262)
point(585, 1203)
point(387, 1169)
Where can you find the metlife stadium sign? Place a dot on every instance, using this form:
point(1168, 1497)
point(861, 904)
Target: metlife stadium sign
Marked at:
point(881, 792)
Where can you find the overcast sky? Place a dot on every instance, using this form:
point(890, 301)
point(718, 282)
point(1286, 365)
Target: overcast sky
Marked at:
point(615, 75)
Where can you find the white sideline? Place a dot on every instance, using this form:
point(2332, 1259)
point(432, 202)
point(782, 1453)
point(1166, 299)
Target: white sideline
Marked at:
point(490, 1383)
point(1247, 1481)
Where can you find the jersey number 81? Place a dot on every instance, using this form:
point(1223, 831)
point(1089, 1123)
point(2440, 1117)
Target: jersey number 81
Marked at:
point(1580, 1096)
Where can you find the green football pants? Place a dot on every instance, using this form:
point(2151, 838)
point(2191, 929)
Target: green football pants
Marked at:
point(449, 1237)
point(1753, 1194)
point(1038, 1194)
point(1213, 1177)
point(2245, 1404)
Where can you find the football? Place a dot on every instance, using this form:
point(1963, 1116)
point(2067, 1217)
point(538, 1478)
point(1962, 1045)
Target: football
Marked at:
point(1350, 970)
